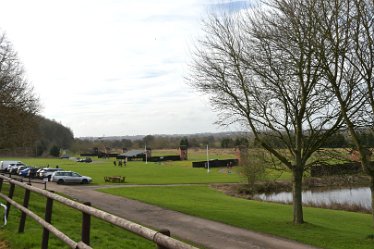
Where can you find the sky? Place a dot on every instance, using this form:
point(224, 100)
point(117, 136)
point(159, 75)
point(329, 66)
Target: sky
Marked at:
point(114, 67)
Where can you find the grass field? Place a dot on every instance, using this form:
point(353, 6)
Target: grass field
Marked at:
point(138, 172)
point(324, 228)
point(67, 220)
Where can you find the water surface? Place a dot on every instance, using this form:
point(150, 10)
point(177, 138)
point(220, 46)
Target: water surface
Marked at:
point(353, 196)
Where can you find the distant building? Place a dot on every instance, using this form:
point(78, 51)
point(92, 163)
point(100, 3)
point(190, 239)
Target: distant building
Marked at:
point(135, 154)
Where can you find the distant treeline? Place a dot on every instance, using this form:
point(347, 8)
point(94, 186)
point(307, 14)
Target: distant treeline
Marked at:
point(234, 140)
point(53, 137)
point(161, 142)
point(41, 137)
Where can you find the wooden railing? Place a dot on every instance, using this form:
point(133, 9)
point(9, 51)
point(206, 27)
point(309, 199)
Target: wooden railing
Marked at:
point(161, 238)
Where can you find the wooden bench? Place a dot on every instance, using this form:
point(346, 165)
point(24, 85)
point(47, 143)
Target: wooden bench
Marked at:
point(117, 179)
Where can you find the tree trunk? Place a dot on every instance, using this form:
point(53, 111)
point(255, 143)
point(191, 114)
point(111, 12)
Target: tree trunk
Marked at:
point(298, 216)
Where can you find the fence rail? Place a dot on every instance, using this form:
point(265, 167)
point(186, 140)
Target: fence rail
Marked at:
point(162, 240)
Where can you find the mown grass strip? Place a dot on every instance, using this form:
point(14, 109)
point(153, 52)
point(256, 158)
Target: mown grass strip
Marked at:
point(324, 228)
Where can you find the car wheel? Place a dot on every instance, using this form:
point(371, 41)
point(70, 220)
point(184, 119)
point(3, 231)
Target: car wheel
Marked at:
point(60, 181)
point(84, 181)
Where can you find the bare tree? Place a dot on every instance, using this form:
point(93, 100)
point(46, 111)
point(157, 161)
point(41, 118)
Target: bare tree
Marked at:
point(260, 70)
point(253, 163)
point(346, 48)
point(18, 104)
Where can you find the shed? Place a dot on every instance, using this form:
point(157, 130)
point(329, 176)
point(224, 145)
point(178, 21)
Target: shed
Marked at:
point(132, 155)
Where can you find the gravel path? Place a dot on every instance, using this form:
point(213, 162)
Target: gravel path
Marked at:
point(201, 232)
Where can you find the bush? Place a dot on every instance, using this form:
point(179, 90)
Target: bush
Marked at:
point(54, 151)
point(252, 164)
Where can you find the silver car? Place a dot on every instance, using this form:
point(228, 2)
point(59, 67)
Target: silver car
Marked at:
point(46, 173)
point(69, 177)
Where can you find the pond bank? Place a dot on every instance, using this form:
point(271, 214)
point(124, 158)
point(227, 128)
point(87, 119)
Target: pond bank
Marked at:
point(279, 191)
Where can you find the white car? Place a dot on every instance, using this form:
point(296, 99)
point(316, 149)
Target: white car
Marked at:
point(69, 177)
point(46, 173)
point(12, 168)
point(4, 165)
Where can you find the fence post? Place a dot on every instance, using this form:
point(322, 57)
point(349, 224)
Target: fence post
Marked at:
point(1, 184)
point(22, 222)
point(10, 195)
point(86, 225)
point(164, 232)
point(48, 218)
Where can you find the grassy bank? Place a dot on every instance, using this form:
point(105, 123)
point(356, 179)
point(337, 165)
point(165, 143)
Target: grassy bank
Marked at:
point(324, 228)
point(67, 220)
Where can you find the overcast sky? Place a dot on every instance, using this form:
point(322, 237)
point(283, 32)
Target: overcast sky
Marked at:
point(113, 67)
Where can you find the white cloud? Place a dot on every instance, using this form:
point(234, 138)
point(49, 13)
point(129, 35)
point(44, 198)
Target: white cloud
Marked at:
point(111, 67)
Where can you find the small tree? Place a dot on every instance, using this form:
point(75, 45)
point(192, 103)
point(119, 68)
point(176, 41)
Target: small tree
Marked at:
point(253, 165)
point(184, 142)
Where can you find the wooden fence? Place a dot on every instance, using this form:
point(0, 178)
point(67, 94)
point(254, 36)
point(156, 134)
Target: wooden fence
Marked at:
point(160, 238)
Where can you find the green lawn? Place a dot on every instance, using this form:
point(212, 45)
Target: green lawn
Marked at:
point(138, 172)
point(324, 228)
point(67, 220)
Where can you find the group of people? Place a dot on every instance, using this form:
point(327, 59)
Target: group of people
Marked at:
point(120, 163)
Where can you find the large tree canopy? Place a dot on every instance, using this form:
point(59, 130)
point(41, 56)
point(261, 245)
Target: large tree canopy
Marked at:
point(345, 46)
point(260, 69)
point(294, 71)
point(18, 103)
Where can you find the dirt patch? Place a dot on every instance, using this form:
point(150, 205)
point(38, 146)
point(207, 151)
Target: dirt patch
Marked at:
point(4, 245)
point(244, 191)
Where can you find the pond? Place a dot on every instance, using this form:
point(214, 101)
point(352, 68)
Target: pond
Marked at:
point(354, 196)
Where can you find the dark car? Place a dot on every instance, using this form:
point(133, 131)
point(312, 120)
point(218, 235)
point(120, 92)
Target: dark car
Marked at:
point(32, 172)
point(85, 160)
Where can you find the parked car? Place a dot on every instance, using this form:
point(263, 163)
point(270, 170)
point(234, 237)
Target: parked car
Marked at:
point(32, 173)
point(84, 160)
point(21, 168)
point(69, 177)
point(4, 165)
point(22, 171)
point(10, 167)
point(13, 168)
point(47, 172)
point(26, 171)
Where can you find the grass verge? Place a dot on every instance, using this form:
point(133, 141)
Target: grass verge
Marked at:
point(323, 228)
point(67, 220)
